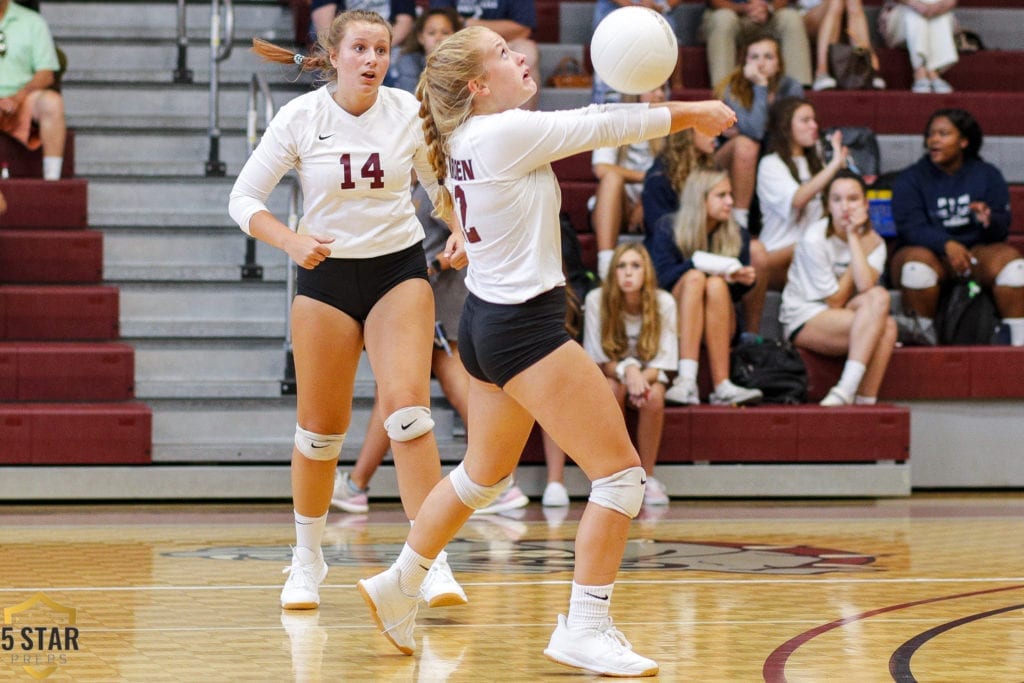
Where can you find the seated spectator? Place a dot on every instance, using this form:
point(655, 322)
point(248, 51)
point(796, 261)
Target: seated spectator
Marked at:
point(750, 90)
point(630, 332)
point(725, 21)
point(30, 111)
point(926, 27)
point(824, 21)
point(513, 20)
point(350, 490)
point(620, 174)
point(790, 179)
point(401, 14)
point(832, 303)
point(952, 215)
point(600, 91)
point(664, 181)
point(703, 257)
point(431, 27)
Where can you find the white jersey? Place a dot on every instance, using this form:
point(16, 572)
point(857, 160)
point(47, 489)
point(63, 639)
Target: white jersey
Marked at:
point(818, 263)
point(354, 171)
point(507, 196)
point(781, 224)
point(667, 358)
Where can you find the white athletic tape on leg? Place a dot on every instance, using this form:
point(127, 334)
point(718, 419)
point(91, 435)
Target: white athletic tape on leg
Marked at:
point(406, 424)
point(472, 494)
point(622, 491)
point(318, 446)
point(917, 275)
point(1012, 274)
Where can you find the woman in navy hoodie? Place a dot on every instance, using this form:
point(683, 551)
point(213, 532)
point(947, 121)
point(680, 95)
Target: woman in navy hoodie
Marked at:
point(952, 214)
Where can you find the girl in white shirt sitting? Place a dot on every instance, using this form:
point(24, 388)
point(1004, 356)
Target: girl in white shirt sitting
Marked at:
point(790, 178)
point(629, 329)
point(832, 303)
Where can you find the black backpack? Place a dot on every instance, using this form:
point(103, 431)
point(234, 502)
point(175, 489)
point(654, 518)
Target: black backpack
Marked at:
point(577, 275)
point(967, 315)
point(774, 367)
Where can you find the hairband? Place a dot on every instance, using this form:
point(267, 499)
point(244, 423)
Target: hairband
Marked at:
point(298, 59)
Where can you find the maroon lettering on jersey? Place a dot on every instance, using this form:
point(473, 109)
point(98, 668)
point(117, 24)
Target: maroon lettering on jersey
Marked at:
point(460, 169)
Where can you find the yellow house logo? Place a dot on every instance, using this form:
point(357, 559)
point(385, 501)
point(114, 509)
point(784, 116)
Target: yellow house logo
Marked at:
point(38, 634)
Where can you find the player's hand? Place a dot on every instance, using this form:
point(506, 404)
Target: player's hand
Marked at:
point(713, 117)
point(309, 251)
point(455, 250)
point(982, 212)
point(744, 276)
point(959, 257)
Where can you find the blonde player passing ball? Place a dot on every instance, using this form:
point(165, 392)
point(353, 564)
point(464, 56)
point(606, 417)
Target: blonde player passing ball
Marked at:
point(495, 162)
point(363, 277)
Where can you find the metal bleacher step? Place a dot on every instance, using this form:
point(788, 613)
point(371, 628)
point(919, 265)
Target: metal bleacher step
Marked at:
point(157, 152)
point(184, 254)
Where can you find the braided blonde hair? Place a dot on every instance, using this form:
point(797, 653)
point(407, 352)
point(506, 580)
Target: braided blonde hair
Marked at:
point(446, 101)
point(327, 41)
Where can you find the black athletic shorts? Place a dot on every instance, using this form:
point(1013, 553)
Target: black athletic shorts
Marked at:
point(498, 341)
point(354, 285)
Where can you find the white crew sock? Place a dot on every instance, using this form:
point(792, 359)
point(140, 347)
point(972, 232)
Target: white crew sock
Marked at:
point(412, 569)
point(604, 262)
point(588, 605)
point(52, 167)
point(1016, 326)
point(309, 531)
point(853, 373)
point(688, 370)
point(859, 400)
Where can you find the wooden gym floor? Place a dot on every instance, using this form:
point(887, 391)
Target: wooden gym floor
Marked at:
point(929, 588)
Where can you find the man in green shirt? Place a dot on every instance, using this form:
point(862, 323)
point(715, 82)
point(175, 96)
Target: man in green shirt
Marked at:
point(30, 111)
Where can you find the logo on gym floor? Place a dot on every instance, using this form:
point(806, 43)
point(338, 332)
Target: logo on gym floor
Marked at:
point(39, 635)
point(548, 556)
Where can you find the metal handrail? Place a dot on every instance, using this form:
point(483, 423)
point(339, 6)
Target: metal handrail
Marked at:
point(182, 74)
point(258, 87)
point(220, 49)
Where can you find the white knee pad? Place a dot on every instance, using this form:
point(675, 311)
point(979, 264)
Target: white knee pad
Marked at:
point(622, 491)
point(406, 424)
point(318, 446)
point(1012, 274)
point(916, 275)
point(472, 494)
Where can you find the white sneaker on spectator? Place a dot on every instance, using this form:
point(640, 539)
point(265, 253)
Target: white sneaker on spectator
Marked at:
point(510, 499)
point(921, 85)
point(302, 587)
point(682, 392)
point(654, 492)
point(603, 650)
point(393, 610)
point(941, 86)
point(555, 495)
point(348, 496)
point(440, 589)
point(825, 82)
point(729, 394)
point(836, 397)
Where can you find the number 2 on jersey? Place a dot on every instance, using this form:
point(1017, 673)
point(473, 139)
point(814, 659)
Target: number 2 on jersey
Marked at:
point(460, 198)
point(371, 169)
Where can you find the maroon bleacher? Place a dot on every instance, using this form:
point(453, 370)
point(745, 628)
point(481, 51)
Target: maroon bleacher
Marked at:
point(21, 163)
point(775, 434)
point(66, 388)
point(51, 256)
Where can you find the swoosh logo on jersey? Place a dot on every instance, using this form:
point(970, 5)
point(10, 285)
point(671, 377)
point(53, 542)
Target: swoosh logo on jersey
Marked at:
point(410, 424)
point(324, 137)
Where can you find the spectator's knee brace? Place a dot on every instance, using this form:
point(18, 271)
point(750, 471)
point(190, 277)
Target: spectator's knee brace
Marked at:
point(1012, 274)
point(622, 491)
point(472, 494)
point(917, 275)
point(406, 424)
point(318, 446)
